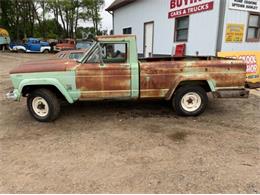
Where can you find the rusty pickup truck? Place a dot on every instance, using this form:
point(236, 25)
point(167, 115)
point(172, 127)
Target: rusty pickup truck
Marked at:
point(111, 70)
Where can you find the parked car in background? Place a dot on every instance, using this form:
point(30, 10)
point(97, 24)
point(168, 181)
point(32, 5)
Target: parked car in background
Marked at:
point(67, 44)
point(111, 70)
point(4, 39)
point(71, 54)
point(31, 45)
point(82, 44)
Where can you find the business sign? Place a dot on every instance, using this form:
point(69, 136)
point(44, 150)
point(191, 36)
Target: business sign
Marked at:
point(234, 33)
point(187, 7)
point(252, 60)
point(245, 5)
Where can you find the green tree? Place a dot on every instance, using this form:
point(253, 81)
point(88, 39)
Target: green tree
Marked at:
point(26, 18)
point(93, 12)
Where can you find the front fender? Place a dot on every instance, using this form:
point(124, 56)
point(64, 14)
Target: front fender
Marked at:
point(49, 81)
point(19, 47)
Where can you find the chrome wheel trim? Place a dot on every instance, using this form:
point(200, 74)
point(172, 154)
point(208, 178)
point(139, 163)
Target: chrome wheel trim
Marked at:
point(191, 102)
point(40, 106)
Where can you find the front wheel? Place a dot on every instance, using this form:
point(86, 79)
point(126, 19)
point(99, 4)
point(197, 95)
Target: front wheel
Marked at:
point(43, 105)
point(21, 51)
point(190, 101)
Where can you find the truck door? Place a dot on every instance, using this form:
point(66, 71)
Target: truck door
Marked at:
point(116, 70)
point(106, 74)
point(35, 46)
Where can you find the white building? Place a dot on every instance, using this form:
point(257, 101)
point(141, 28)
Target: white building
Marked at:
point(206, 27)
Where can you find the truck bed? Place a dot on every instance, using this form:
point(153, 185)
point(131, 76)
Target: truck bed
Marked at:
point(159, 76)
point(185, 58)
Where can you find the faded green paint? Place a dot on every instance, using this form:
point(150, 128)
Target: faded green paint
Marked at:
point(212, 85)
point(65, 82)
point(134, 68)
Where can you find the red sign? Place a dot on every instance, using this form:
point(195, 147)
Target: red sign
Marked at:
point(182, 3)
point(191, 10)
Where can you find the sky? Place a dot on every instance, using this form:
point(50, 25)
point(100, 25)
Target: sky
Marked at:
point(107, 17)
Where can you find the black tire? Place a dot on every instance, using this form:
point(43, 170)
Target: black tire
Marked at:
point(20, 51)
point(178, 100)
point(52, 101)
point(46, 51)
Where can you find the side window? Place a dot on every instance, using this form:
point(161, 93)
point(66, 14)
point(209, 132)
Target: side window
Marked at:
point(253, 29)
point(127, 31)
point(114, 52)
point(181, 29)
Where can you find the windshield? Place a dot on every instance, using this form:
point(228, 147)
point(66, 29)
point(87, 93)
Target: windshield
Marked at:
point(86, 53)
point(83, 45)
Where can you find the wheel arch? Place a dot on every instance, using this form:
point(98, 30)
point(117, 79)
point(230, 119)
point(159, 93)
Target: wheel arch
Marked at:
point(28, 86)
point(206, 84)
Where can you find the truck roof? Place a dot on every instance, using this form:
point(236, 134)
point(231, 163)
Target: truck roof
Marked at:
point(115, 37)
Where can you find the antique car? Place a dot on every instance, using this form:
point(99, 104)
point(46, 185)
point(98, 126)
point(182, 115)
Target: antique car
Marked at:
point(31, 45)
point(111, 70)
point(67, 44)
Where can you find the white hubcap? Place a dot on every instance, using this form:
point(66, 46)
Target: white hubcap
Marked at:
point(40, 106)
point(191, 102)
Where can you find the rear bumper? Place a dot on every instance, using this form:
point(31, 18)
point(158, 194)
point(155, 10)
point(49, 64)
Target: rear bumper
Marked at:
point(231, 93)
point(253, 85)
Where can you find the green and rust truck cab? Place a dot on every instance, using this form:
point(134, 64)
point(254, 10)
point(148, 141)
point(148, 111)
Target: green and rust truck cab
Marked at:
point(110, 69)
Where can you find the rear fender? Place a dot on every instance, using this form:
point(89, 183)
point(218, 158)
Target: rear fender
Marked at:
point(45, 48)
point(211, 85)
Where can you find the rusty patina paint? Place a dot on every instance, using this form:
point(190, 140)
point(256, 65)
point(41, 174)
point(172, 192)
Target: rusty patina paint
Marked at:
point(159, 79)
point(45, 66)
point(101, 82)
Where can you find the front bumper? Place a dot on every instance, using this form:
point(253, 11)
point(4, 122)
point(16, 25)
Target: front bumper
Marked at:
point(12, 95)
point(231, 93)
point(57, 49)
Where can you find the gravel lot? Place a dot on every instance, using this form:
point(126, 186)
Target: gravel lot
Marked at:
point(128, 147)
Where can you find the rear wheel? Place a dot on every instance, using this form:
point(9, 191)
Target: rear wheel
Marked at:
point(190, 101)
point(43, 105)
point(46, 51)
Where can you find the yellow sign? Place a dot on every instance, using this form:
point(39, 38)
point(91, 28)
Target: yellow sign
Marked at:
point(235, 33)
point(3, 33)
point(251, 58)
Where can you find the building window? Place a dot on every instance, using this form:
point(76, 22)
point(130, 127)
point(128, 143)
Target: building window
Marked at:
point(127, 31)
point(181, 29)
point(253, 29)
